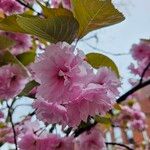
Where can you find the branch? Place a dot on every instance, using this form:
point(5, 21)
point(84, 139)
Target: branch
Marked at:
point(134, 89)
point(79, 131)
point(119, 144)
point(143, 73)
point(12, 124)
point(28, 6)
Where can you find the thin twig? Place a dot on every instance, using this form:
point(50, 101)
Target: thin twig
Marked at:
point(28, 6)
point(143, 73)
point(106, 52)
point(13, 126)
point(118, 144)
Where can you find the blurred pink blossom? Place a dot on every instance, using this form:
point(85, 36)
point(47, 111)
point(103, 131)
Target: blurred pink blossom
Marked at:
point(65, 3)
point(49, 142)
point(91, 140)
point(12, 81)
point(11, 7)
point(23, 42)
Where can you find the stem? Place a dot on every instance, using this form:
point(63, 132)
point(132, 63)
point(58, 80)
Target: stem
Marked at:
point(134, 89)
point(119, 144)
point(13, 126)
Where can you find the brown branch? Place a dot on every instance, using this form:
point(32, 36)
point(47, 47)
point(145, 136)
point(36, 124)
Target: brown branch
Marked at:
point(118, 144)
point(12, 124)
point(133, 90)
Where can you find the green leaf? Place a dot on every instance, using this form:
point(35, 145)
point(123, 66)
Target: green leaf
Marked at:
point(29, 86)
point(54, 29)
point(7, 58)
point(103, 119)
point(26, 58)
point(10, 24)
point(5, 42)
point(97, 60)
point(95, 14)
point(54, 12)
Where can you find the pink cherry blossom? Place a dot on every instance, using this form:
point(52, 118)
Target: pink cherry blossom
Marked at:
point(49, 142)
point(141, 53)
point(28, 142)
point(61, 73)
point(107, 79)
point(50, 112)
point(12, 81)
point(91, 140)
point(23, 42)
point(1, 114)
point(11, 6)
point(138, 70)
point(143, 94)
point(6, 135)
point(65, 3)
point(93, 101)
point(134, 116)
point(55, 3)
point(138, 124)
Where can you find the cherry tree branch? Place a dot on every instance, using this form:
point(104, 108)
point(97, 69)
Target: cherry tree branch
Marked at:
point(133, 90)
point(12, 124)
point(118, 144)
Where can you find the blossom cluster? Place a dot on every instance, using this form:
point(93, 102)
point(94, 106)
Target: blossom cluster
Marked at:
point(141, 53)
point(90, 140)
point(10, 7)
point(31, 136)
point(22, 42)
point(69, 90)
point(12, 81)
point(134, 116)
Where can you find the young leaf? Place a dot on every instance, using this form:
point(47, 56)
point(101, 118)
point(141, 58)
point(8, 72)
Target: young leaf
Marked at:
point(95, 14)
point(7, 58)
point(54, 29)
point(54, 12)
point(5, 42)
point(26, 58)
point(97, 60)
point(10, 24)
point(29, 86)
point(103, 119)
